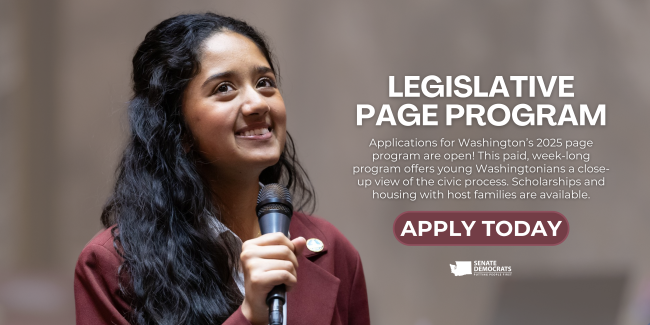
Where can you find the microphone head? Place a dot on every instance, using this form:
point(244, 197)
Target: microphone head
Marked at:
point(274, 198)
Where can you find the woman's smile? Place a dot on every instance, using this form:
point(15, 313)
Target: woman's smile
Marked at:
point(254, 132)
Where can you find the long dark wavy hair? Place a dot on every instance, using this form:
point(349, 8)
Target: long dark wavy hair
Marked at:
point(176, 269)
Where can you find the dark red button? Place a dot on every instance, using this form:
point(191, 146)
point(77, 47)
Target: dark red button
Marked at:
point(481, 228)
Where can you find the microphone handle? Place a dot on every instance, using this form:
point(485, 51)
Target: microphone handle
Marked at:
point(270, 223)
point(275, 300)
point(274, 222)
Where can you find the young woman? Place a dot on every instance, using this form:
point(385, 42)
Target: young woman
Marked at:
point(182, 243)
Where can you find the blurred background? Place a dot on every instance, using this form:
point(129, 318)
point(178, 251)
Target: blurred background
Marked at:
point(64, 86)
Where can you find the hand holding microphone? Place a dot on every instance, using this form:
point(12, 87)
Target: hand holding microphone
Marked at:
point(269, 261)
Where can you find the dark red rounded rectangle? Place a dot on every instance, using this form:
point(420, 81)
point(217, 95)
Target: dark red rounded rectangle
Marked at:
point(481, 228)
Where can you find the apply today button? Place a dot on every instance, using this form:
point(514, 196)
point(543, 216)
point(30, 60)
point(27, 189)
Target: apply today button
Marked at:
point(481, 228)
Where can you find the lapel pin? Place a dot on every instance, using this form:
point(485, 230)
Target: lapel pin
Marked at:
point(315, 245)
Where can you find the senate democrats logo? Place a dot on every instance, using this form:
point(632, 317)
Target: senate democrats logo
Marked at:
point(461, 268)
point(480, 268)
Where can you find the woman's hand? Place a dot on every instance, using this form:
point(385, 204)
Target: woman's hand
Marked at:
point(267, 261)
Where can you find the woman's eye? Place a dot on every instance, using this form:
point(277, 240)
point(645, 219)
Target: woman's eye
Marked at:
point(224, 88)
point(265, 83)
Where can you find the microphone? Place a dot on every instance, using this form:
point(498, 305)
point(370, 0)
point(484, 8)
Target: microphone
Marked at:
point(274, 210)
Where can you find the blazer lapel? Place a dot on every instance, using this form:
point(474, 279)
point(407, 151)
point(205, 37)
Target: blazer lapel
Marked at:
point(313, 300)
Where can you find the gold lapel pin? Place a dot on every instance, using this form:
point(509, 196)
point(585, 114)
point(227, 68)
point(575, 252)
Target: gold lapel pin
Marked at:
point(315, 245)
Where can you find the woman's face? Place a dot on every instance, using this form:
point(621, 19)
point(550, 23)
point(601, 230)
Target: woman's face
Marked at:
point(234, 108)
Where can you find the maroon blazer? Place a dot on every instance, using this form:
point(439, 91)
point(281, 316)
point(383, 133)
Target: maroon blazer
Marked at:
point(331, 287)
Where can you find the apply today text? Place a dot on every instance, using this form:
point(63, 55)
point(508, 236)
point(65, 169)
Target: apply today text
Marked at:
point(520, 228)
